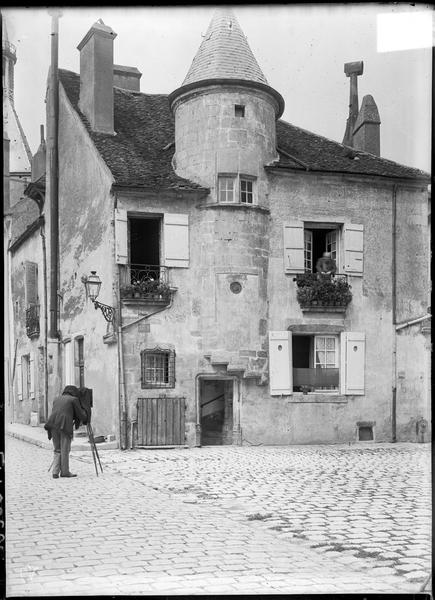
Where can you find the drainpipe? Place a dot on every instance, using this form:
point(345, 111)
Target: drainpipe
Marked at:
point(54, 174)
point(393, 309)
point(413, 322)
point(44, 268)
point(123, 441)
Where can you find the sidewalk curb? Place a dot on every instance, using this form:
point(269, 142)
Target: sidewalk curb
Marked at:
point(77, 445)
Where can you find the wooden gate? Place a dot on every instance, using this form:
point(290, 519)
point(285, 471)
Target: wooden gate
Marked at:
point(160, 422)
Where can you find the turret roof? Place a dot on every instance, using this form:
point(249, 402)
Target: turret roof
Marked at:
point(224, 53)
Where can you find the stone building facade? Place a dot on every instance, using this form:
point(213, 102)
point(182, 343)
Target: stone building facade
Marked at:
point(204, 215)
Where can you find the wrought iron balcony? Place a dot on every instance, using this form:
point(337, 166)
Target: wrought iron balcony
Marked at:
point(322, 292)
point(146, 283)
point(315, 380)
point(32, 321)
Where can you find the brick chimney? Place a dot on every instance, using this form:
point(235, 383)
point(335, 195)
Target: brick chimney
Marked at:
point(96, 77)
point(127, 78)
point(366, 132)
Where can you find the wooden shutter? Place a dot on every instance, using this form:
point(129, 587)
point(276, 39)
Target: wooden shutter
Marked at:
point(32, 374)
point(19, 375)
point(121, 237)
point(294, 247)
point(176, 240)
point(31, 283)
point(68, 364)
point(280, 363)
point(352, 365)
point(353, 249)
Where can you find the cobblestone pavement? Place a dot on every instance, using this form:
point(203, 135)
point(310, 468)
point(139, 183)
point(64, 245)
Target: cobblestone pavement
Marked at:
point(219, 520)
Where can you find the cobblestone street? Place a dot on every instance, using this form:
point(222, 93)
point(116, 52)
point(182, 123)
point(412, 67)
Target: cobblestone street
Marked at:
point(299, 519)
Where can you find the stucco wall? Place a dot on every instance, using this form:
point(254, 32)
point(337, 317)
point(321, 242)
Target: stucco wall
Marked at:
point(213, 330)
point(29, 250)
point(86, 243)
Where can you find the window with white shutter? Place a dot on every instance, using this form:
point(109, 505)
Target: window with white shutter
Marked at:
point(19, 378)
point(294, 247)
point(280, 363)
point(354, 249)
point(352, 374)
point(176, 239)
point(121, 236)
point(31, 375)
point(68, 363)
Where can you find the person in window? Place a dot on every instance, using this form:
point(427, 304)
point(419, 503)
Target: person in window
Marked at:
point(326, 265)
point(67, 413)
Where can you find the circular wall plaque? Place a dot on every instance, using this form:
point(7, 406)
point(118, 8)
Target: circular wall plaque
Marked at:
point(236, 287)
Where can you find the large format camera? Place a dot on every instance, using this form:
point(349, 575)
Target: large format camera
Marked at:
point(86, 401)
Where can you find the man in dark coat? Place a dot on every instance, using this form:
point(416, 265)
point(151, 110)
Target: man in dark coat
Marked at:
point(67, 413)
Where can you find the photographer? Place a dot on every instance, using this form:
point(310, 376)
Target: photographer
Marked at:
point(67, 413)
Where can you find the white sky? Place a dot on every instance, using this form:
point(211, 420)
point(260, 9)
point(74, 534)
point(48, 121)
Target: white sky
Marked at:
point(301, 50)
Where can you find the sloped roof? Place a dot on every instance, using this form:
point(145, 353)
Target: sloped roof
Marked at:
point(224, 53)
point(25, 215)
point(302, 149)
point(139, 154)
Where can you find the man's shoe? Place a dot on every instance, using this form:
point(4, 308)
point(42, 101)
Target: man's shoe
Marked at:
point(69, 475)
point(55, 476)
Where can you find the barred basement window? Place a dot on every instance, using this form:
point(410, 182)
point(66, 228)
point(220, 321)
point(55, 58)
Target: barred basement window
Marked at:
point(157, 368)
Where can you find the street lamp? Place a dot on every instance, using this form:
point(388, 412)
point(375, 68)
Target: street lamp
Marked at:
point(93, 285)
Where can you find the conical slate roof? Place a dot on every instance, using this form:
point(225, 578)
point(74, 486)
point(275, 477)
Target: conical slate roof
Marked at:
point(224, 53)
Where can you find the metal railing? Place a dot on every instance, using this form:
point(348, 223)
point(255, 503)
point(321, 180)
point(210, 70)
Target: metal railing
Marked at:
point(8, 47)
point(32, 321)
point(145, 281)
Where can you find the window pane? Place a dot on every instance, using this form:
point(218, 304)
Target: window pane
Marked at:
point(330, 343)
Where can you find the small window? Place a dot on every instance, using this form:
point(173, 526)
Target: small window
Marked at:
point(236, 189)
point(239, 110)
point(226, 189)
point(246, 191)
point(158, 368)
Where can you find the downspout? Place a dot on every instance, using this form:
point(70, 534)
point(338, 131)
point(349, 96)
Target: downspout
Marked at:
point(393, 309)
point(123, 441)
point(54, 175)
point(44, 268)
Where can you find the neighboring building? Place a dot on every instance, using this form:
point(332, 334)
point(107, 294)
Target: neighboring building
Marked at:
point(204, 215)
point(20, 221)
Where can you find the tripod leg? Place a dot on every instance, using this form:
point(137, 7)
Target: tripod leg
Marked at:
point(91, 441)
point(95, 447)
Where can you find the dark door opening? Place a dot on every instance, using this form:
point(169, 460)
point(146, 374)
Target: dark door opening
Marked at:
point(216, 417)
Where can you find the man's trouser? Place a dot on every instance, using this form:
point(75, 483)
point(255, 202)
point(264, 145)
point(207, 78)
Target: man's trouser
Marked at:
point(62, 447)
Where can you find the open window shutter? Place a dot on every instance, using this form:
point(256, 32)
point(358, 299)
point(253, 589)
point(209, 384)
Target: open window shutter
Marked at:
point(176, 239)
point(31, 283)
point(19, 377)
point(354, 249)
point(68, 366)
point(294, 247)
point(352, 365)
point(121, 237)
point(32, 374)
point(280, 363)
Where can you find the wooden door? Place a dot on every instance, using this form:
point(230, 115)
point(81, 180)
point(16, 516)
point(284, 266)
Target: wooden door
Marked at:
point(160, 422)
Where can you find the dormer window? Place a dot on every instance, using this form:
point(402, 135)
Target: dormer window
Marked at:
point(236, 189)
point(239, 110)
